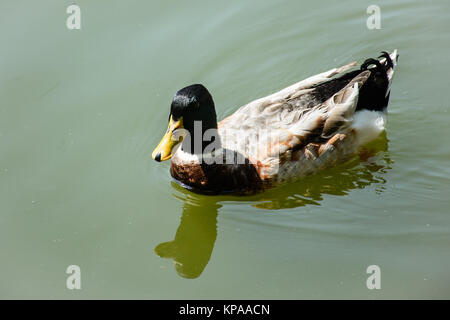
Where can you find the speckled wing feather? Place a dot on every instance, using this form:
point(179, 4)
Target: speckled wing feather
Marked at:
point(341, 106)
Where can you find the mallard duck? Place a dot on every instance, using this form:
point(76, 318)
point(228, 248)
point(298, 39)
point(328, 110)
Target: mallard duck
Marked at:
point(306, 127)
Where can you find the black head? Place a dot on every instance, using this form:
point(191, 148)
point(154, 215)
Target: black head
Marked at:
point(194, 103)
point(189, 105)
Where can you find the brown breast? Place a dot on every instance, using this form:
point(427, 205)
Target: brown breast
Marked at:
point(219, 178)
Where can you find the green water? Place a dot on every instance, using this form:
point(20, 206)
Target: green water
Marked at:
point(82, 110)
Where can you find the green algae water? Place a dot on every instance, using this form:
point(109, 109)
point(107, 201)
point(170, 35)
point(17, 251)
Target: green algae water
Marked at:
point(82, 110)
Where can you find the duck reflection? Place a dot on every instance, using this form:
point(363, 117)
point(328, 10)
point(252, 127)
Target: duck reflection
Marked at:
point(195, 237)
point(194, 240)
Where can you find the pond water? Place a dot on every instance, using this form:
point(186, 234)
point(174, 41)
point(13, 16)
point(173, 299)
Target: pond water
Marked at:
point(82, 110)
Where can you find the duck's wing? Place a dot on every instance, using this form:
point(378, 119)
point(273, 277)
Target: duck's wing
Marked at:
point(290, 117)
point(320, 122)
point(278, 107)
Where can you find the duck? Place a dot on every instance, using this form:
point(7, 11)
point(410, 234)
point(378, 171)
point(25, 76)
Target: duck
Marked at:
point(312, 125)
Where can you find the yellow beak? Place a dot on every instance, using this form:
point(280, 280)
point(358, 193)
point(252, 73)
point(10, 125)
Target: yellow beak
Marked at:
point(164, 149)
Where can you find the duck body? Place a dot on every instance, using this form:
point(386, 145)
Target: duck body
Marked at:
point(300, 130)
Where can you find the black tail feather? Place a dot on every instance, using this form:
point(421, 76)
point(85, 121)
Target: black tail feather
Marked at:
point(387, 56)
point(374, 93)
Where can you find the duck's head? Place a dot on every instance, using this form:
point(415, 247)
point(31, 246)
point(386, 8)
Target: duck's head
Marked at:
point(192, 107)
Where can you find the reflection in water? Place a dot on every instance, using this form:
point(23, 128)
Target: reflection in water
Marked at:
point(195, 237)
point(194, 240)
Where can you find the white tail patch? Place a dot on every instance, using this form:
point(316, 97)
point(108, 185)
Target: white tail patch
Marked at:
point(368, 125)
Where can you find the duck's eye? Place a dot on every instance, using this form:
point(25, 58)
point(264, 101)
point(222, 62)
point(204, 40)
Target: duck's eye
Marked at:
point(176, 115)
